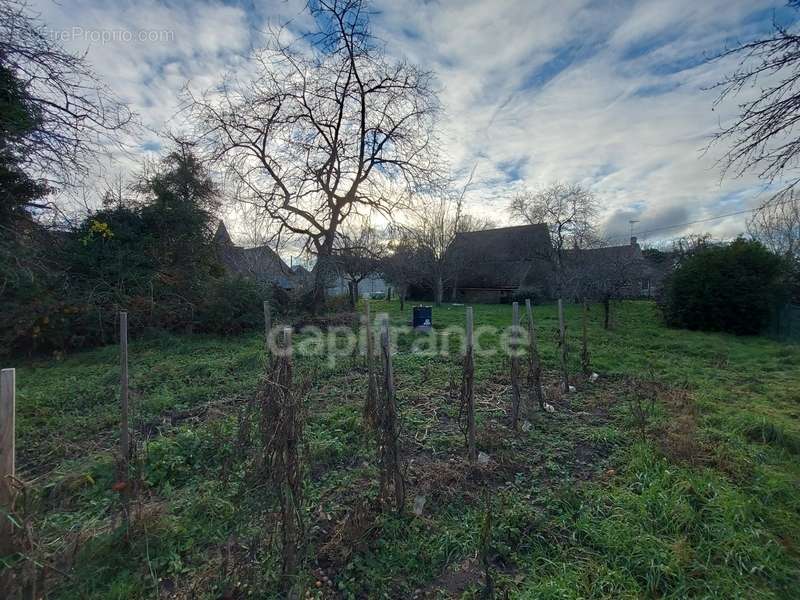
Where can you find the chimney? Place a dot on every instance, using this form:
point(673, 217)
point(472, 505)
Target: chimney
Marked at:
point(633, 240)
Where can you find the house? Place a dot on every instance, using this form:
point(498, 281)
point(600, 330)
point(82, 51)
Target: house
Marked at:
point(261, 263)
point(614, 271)
point(494, 264)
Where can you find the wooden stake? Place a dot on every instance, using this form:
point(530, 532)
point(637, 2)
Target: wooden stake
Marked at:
point(267, 324)
point(469, 329)
point(515, 388)
point(562, 345)
point(287, 465)
point(390, 452)
point(371, 405)
point(535, 394)
point(387, 352)
point(7, 455)
point(124, 437)
point(585, 340)
point(468, 391)
point(287, 343)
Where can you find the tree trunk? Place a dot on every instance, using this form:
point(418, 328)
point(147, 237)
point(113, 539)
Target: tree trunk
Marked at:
point(402, 298)
point(439, 291)
point(321, 274)
point(352, 289)
point(318, 298)
point(606, 312)
point(454, 291)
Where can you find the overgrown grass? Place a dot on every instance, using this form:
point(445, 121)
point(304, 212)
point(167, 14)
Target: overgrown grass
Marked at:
point(704, 505)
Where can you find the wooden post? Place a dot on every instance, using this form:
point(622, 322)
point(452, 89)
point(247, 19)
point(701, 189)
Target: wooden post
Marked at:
point(289, 466)
point(287, 343)
point(562, 346)
point(7, 455)
point(387, 351)
point(371, 405)
point(469, 329)
point(267, 324)
point(468, 391)
point(124, 435)
point(390, 452)
point(515, 389)
point(535, 394)
point(585, 340)
point(368, 329)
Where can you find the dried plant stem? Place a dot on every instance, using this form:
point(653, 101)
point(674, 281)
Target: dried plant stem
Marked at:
point(392, 484)
point(535, 394)
point(282, 424)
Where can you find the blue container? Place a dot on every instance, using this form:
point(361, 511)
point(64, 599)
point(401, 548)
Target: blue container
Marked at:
point(423, 317)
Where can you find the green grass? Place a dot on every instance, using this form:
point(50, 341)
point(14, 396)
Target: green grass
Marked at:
point(583, 506)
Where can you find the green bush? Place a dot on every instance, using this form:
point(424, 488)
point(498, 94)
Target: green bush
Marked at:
point(232, 304)
point(154, 257)
point(730, 287)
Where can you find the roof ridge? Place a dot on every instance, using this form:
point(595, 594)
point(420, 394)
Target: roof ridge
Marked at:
point(525, 226)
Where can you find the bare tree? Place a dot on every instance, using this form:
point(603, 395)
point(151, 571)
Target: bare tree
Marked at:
point(357, 254)
point(326, 126)
point(431, 229)
point(776, 224)
point(763, 136)
point(399, 264)
point(603, 273)
point(569, 211)
point(68, 115)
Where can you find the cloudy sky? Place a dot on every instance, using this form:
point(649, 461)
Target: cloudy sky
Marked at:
point(612, 94)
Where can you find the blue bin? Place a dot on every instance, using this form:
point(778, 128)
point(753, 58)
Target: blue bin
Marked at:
point(423, 317)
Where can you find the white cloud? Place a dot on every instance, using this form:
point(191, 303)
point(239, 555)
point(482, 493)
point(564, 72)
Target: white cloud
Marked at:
point(607, 94)
point(620, 117)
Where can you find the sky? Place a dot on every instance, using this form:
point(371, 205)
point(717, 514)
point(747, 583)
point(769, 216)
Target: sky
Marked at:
point(612, 95)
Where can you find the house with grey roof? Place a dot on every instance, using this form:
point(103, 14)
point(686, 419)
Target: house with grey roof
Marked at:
point(261, 263)
point(614, 271)
point(496, 265)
